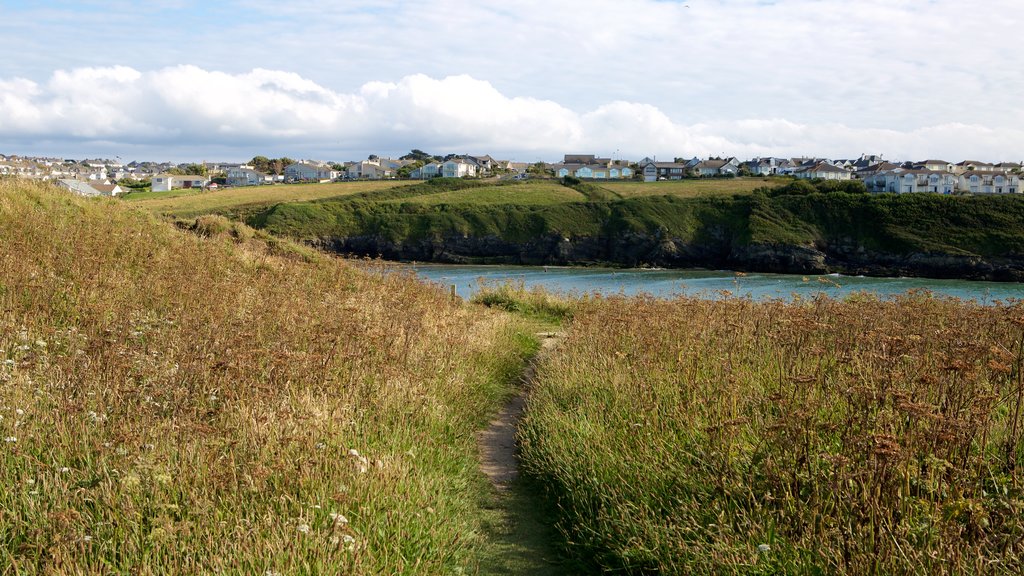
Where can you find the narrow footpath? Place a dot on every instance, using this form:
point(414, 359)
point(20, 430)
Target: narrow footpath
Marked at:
point(522, 535)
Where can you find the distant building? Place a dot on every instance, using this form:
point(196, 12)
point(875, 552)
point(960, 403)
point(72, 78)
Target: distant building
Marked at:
point(90, 188)
point(167, 182)
point(309, 172)
point(242, 176)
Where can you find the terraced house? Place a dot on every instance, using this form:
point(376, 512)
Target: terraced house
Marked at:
point(989, 182)
point(912, 180)
point(590, 167)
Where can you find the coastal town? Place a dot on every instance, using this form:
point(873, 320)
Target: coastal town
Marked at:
point(106, 177)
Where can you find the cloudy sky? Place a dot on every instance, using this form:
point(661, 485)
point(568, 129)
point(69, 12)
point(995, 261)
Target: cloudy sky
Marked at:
point(523, 79)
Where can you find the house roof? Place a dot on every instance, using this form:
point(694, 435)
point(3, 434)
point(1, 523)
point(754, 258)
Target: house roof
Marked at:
point(106, 189)
point(823, 167)
point(715, 164)
point(79, 187)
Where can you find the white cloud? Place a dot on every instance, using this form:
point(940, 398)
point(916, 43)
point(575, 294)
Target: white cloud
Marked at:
point(188, 110)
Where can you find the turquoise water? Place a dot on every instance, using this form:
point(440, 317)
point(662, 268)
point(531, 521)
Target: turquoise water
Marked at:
point(709, 284)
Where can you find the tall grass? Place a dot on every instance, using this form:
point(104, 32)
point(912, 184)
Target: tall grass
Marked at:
point(182, 403)
point(821, 436)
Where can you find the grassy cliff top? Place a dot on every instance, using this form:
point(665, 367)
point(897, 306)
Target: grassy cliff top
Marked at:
point(218, 401)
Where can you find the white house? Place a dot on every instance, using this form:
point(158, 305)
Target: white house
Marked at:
point(168, 182)
point(989, 182)
point(900, 180)
point(458, 168)
point(824, 171)
point(241, 176)
point(309, 172)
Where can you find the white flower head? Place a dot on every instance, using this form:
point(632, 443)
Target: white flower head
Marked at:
point(338, 519)
point(350, 542)
point(303, 528)
point(353, 453)
point(763, 548)
point(10, 439)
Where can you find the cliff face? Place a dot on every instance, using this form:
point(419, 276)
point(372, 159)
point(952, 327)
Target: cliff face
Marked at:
point(636, 249)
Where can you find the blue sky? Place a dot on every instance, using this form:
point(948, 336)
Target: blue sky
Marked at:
point(524, 79)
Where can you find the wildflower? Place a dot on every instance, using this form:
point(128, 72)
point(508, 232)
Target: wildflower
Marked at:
point(338, 519)
point(10, 439)
point(41, 343)
point(763, 548)
point(19, 412)
point(353, 453)
point(304, 528)
point(65, 470)
point(320, 445)
point(349, 541)
point(87, 538)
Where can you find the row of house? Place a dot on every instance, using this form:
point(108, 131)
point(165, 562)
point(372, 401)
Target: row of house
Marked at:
point(590, 167)
point(902, 180)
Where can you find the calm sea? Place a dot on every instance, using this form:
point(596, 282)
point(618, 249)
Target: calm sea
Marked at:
point(709, 284)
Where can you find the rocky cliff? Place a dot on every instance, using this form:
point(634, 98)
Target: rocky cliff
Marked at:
point(636, 249)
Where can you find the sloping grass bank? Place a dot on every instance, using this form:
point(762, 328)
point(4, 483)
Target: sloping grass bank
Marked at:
point(178, 403)
point(818, 437)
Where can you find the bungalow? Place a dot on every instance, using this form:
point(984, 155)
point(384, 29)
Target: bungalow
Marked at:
point(167, 182)
point(822, 170)
point(717, 167)
point(599, 169)
point(90, 188)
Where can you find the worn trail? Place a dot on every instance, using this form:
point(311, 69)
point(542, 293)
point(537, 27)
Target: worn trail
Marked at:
point(522, 535)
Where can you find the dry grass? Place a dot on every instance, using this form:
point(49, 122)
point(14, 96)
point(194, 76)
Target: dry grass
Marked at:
point(234, 200)
point(174, 403)
point(733, 437)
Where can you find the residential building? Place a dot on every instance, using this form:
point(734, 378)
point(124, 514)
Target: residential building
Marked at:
point(458, 168)
point(989, 182)
point(244, 176)
point(90, 188)
point(718, 167)
point(901, 180)
point(309, 172)
point(822, 170)
point(167, 182)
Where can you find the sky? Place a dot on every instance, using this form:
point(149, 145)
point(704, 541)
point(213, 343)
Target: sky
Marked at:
point(525, 80)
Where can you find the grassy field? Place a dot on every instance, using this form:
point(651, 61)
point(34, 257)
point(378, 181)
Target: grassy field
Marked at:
point(817, 437)
point(239, 202)
point(692, 188)
point(221, 402)
point(243, 199)
point(538, 193)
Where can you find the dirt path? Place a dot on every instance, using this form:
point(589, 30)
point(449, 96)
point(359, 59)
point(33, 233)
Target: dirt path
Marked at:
point(522, 537)
point(497, 442)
